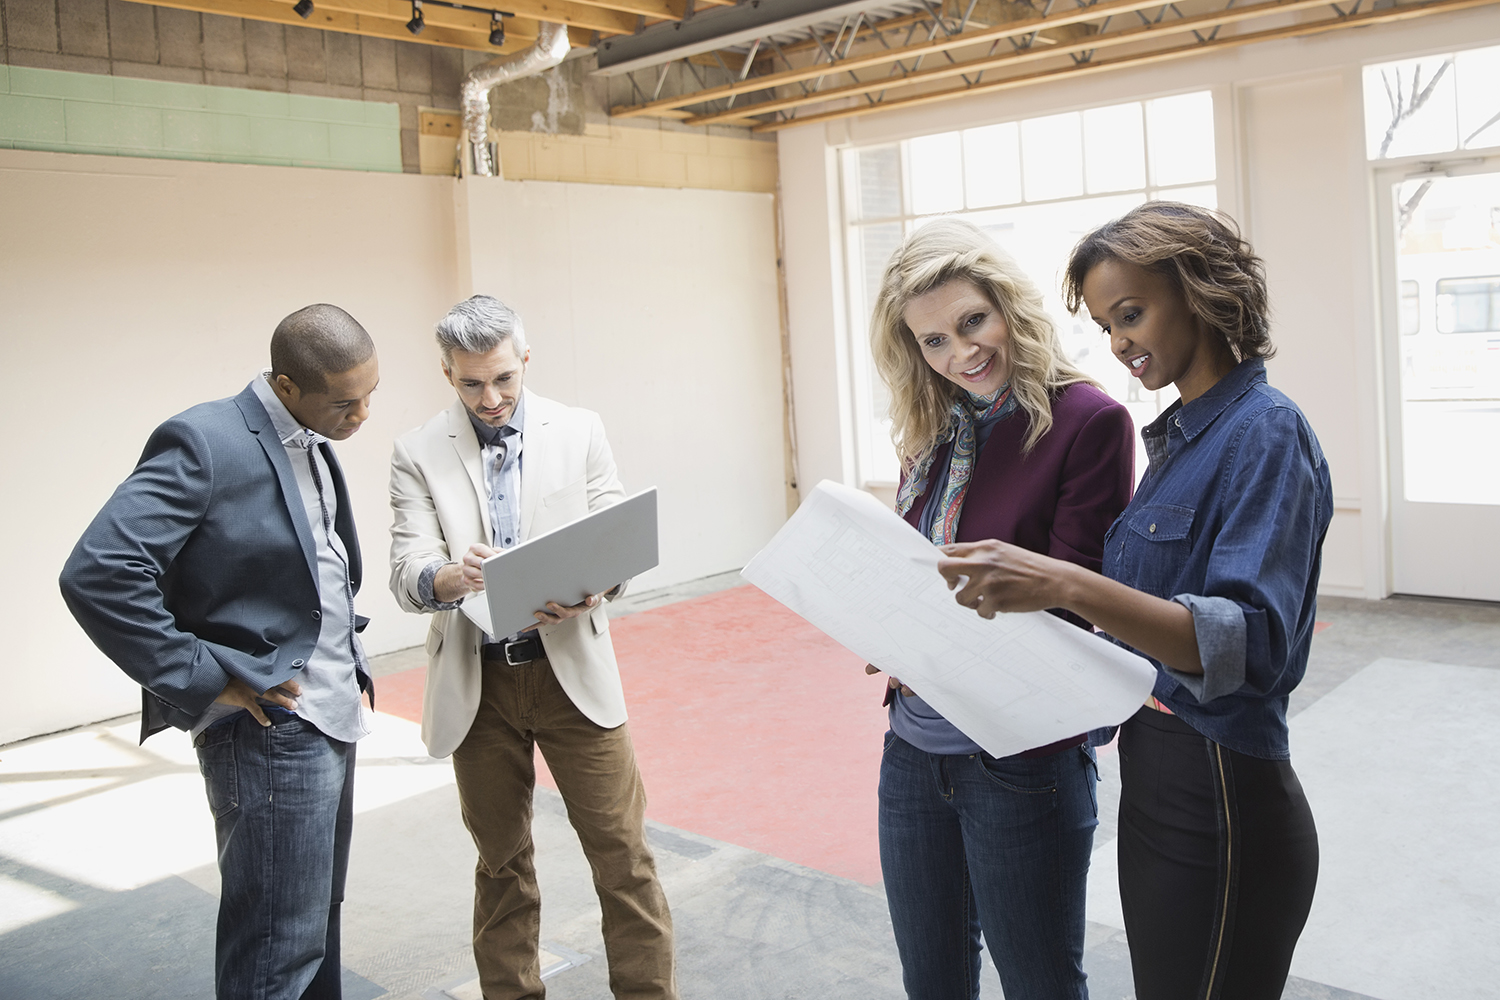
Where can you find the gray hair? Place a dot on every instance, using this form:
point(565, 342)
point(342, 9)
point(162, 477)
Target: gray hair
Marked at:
point(478, 325)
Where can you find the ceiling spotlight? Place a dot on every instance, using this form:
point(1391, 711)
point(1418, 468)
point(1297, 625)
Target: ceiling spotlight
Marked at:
point(497, 27)
point(416, 24)
point(304, 9)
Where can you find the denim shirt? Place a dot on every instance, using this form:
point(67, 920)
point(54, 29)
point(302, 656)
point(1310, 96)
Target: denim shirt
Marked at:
point(1229, 522)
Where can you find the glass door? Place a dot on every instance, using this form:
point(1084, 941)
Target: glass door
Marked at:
point(1440, 281)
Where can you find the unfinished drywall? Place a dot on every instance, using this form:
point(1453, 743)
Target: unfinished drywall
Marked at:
point(134, 289)
point(658, 309)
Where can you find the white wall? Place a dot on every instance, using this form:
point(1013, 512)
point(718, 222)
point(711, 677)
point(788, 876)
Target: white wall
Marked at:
point(658, 309)
point(1292, 170)
point(132, 289)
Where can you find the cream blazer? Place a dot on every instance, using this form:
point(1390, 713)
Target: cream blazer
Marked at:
point(438, 499)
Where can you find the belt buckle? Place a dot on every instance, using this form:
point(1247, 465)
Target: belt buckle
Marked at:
point(512, 645)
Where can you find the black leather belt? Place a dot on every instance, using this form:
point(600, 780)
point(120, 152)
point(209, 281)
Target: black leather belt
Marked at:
point(514, 653)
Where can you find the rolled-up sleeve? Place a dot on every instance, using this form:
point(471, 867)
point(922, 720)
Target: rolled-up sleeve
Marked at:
point(1219, 625)
point(1264, 553)
point(426, 588)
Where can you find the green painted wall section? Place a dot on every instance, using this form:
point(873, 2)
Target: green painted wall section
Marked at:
point(115, 115)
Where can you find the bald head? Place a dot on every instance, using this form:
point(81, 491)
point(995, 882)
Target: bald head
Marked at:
point(317, 342)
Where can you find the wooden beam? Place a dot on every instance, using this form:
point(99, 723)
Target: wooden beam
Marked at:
point(1390, 14)
point(666, 10)
point(567, 12)
point(1140, 32)
point(1024, 26)
point(353, 24)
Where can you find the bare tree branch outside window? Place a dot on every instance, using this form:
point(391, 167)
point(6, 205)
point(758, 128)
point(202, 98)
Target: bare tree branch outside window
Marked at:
point(1402, 106)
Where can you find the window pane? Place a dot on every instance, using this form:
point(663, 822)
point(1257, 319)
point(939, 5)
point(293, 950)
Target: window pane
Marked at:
point(937, 174)
point(1052, 155)
point(1411, 308)
point(992, 165)
point(880, 182)
point(1410, 107)
point(1477, 74)
point(1180, 136)
point(1114, 148)
point(1202, 195)
point(1464, 304)
point(877, 243)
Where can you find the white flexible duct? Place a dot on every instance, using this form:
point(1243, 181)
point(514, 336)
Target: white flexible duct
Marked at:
point(549, 49)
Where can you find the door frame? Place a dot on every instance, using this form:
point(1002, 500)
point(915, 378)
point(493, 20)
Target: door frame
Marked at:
point(1384, 179)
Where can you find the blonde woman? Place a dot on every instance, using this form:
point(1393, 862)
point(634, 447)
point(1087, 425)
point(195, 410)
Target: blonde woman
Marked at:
point(1000, 438)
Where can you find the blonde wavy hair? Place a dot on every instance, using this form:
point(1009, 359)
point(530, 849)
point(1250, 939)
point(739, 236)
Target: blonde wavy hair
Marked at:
point(947, 250)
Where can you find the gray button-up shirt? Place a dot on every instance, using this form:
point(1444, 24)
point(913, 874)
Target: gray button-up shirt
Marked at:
point(330, 697)
point(500, 456)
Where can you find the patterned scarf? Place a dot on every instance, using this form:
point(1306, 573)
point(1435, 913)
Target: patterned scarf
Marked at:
point(966, 413)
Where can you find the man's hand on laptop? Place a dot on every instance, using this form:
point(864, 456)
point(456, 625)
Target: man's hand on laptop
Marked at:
point(460, 579)
point(559, 612)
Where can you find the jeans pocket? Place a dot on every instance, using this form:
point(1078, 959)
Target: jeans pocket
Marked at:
point(216, 760)
point(1091, 766)
point(1025, 775)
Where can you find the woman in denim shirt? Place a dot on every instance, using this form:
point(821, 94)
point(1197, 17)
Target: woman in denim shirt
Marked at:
point(1212, 573)
point(1001, 438)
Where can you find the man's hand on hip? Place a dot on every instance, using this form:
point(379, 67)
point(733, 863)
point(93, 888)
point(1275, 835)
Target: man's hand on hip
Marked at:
point(242, 695)
point(458, 580)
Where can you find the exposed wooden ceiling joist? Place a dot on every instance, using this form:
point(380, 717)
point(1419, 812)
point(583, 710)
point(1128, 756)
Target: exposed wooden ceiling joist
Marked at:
point(1194, 48)
point(445, 27)
point(1010, 29)
point(1090, 43)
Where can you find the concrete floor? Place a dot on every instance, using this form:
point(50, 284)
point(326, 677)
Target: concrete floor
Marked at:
point(107, 882)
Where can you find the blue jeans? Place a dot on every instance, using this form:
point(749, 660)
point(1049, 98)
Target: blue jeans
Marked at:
point(283, 804)
point(971, 843)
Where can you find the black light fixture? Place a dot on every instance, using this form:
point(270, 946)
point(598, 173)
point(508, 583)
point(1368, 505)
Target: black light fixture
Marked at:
point(416, 24)
point(497, 27)
point(304, 9)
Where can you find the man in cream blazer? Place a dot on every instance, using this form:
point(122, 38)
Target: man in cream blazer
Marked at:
point(499, 466)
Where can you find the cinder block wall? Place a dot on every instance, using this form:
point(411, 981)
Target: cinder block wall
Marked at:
point(120, 38)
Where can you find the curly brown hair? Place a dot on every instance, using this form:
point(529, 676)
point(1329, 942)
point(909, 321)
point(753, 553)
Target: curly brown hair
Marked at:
point(1201, 253)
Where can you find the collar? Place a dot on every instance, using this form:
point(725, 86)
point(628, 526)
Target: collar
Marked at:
point(492, 435)
point(1194, 418)
point(288, 429)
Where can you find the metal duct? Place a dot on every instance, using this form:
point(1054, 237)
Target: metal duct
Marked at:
point(549, 49)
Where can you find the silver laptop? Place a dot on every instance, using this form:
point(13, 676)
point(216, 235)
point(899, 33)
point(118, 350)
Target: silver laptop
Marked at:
point(588, 556)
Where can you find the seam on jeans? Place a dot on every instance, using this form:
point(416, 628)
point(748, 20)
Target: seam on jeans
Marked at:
point(1212, 989)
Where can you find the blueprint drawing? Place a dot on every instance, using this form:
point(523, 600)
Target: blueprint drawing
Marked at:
point(870, 582)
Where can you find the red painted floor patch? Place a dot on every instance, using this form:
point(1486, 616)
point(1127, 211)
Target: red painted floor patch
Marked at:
point(755, 728)
point(751, 727)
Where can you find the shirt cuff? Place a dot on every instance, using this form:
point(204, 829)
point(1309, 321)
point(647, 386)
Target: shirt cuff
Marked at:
point(1220, 628)
point(424, 588)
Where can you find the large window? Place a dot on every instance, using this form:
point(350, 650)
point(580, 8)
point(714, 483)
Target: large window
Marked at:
point(1037, 185)
point(1435, 104)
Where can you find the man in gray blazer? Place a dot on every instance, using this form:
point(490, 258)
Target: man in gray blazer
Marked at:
point(221, 576)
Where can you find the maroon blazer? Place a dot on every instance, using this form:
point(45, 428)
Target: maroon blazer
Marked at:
point(1061, 498)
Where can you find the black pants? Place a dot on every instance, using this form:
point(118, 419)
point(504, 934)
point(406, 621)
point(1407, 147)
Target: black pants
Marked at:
point(1218, 861)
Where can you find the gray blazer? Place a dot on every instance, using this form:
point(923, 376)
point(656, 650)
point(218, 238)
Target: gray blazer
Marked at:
point(201, 566)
